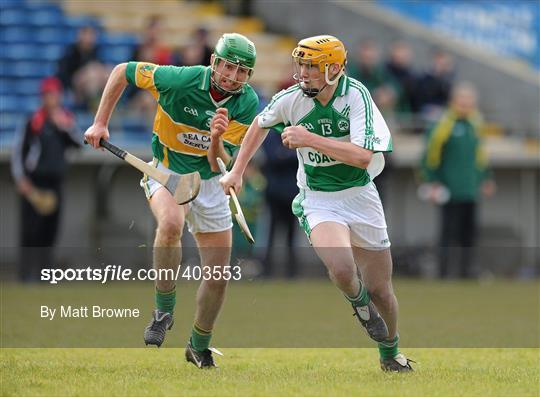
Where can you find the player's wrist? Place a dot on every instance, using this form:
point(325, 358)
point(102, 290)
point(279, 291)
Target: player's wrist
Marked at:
point(100, 123)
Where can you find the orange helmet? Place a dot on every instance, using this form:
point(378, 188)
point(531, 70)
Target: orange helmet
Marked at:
point(324, 51)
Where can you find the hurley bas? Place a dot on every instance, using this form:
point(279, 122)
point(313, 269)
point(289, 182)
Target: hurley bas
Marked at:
point(94, 311)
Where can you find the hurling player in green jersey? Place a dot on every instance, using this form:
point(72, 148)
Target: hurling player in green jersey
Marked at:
point(338, 133)
point(203, 112)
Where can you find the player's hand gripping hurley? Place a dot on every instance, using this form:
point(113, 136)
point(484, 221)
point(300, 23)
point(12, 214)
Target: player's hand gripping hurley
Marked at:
point(184, 188)
point(239, 216)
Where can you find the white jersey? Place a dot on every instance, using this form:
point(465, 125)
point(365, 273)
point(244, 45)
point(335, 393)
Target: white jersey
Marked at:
point(350, 116)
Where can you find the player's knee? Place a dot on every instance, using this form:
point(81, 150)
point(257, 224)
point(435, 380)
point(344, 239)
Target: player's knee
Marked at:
point(341, 274)
point(383, 294)
point(169, 230)
point(217, 284)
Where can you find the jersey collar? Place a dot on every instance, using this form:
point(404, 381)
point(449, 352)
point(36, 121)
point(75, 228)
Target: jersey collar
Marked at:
point(343, 86)
point(205, 83)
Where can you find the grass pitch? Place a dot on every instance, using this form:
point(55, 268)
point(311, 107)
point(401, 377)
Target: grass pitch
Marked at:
point(268, 372)
point(279, 339)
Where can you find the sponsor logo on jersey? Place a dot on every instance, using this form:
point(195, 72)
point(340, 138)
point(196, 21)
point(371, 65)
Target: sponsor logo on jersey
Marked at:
point(308, 126)
point(319, 158)
point(343, 125)
point(191, 111)
point(373, 139)
point(194, 140)
point(146, 70)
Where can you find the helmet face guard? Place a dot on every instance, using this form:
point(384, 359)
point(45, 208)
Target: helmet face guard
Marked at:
point(232, 63)
point(320, 52)
point(224, 70)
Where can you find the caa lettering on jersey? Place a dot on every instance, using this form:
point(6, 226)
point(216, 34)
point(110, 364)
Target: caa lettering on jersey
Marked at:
point(191, 111)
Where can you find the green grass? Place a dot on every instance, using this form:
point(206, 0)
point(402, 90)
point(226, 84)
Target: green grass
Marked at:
point(268, 372)
point(302, 314)
point(279, 339)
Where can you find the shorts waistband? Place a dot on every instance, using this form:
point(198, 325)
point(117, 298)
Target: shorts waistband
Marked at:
point(339, 195)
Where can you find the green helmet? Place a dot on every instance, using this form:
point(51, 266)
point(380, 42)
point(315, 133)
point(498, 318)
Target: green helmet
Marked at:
point(236, 48)
point(233, 52)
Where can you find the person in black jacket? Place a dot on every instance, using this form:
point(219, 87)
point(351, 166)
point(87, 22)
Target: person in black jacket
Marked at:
point(38, 167)
point(81, 71)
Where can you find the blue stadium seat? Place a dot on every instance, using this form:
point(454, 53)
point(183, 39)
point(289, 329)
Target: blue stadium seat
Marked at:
point(134, 125)
point(84, 119)
point(117, 39)
point(26, 86)
point(11, 121)
point(46, 17)
point(22, 52)
point(17, 34)
point(29, 104)
point(77, 22)
point(9, 103)
point(56, 35)
point(12, 4)
point(51, 52)
point(115, 54)
point(21, 104)
point(27, 69)
point(7, 86)
point(13, 17)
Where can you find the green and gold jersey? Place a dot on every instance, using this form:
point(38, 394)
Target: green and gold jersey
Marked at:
point(185, 108)
point(350, 116)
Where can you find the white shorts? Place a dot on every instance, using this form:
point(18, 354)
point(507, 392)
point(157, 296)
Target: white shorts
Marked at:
point(359, 208)
point(209, 212)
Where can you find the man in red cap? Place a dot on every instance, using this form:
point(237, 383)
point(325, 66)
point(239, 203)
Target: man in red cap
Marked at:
point(38, 167)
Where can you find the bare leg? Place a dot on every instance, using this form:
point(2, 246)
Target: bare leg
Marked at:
point(215, 251)
point(331, 241)
point(170, 223)
point(376, 270)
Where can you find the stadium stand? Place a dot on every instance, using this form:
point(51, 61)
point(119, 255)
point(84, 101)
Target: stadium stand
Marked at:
point(34, 35)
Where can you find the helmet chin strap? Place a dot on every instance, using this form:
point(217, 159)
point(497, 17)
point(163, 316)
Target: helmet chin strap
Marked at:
point(313, 92)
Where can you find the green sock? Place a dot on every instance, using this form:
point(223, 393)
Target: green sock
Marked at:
point(165, 301)
point(362, 299)
point(200, 338)
point(389, 348)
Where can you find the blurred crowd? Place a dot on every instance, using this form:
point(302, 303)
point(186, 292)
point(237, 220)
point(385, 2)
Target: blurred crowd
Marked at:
point(84, 74)
point(409, 97)
point(406, 96)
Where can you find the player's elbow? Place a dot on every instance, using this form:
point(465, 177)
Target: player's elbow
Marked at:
point(119, 72)
point(362, 163)
point(363, 159)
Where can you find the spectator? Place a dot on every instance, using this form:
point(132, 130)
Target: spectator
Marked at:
point(455, 167)
point(434, 86)
point(197, 51)
point(81, 71)
point(280, 172)
point(366, 68)
point(200, 37)
point(400, 69)
point(151, 49)
point(38, 167)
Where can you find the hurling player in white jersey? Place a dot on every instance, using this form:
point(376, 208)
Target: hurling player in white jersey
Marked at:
point(338, 133)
